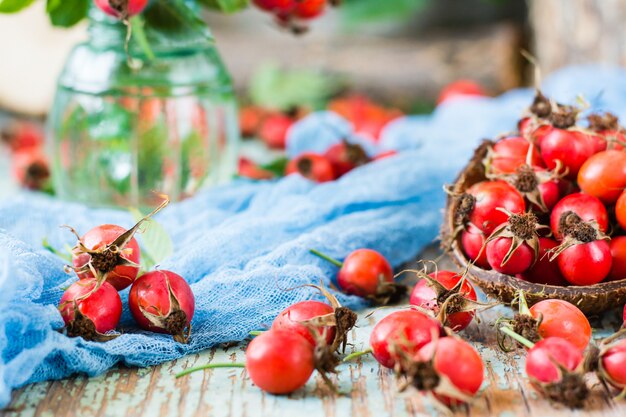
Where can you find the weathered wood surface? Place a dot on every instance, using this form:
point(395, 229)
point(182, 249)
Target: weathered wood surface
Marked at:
point(567, 32)
point(368, 390)
point(401, 68)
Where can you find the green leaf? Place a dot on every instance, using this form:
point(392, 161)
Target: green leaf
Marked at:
point(226, 6)
point(275, 88)
point(277, 166)
point(157, 244)
point(367, 11)
point(67, 257)
point(14, 6)
point(66, 13)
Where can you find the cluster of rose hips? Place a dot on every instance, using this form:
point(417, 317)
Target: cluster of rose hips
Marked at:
point(420, 345)
point(570, 178)
point(29, 163)
point(293, 14)
point(272, 127)
point(309, 335)
point(557, 335)
point(106, 260)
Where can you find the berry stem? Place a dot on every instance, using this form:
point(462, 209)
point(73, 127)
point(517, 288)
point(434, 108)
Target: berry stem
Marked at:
point(256, 332)
point(509, 332)
point(523, 304)
point(211, 366)
point(355, 355)
point(326, 258)
point(137, 23)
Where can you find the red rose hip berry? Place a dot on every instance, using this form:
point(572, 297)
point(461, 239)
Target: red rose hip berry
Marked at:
point(444, 289)
point(90, 309)
point(280, 361)
point(162, 301)
point(585, 206)
point(366, 273)
point(122, 9)
point(312, 166)
point(402, 333)
point(121, 268)
point(552, 365)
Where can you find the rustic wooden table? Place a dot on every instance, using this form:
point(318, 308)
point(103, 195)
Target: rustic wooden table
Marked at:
point(367, 389)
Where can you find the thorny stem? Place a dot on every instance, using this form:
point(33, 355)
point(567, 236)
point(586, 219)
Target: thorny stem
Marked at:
point(355, 355)
point(326, 258)
point(210, 366)
point(509, 332)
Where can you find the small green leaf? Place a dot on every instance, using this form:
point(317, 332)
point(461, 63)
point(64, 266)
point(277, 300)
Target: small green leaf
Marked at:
point(14, 6)
point(280, 89)
point(366, 11)
point(226, 6)
point(67, 257)
point(277, 166)
point(66, 13)
point(157, 244)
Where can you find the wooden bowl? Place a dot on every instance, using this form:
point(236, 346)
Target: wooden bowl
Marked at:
point(591, 299)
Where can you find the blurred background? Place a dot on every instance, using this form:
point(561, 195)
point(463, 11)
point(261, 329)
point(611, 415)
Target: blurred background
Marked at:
point(399, 53)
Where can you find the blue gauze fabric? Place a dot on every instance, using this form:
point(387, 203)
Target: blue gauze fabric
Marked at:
point(242, 245)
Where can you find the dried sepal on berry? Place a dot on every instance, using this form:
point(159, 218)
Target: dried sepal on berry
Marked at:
point(342, 318)
point(521, 229)
point(173, 321)
point(449, 301)
point(84, 327)
point(576, 231)
point(523, 323)
point(598, 360)
point(105, 259)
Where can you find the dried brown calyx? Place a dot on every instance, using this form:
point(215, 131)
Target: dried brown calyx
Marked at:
point(526, 179)
point(522, 323)
point(576, 231)
point(105, 259)
point(343, 319)
point(563, 116)
point(36, 175)
point(541, 106)
point(520, 228)
point(571, 390)
point(82, 326)
point(568, 222)
point(388, 292)
point(601, 122)
point(453, 300)
point(595, 360)
point(174, 321)
point(527, 326)
point(423, 375)
point(464, 206)
point(305, 166)
point(120, 7)
point(356, 154)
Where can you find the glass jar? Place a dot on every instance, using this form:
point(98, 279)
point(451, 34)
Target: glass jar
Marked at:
point(119, 134)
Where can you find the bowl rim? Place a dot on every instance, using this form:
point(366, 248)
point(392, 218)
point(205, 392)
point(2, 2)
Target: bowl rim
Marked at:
point(462, 183)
